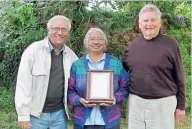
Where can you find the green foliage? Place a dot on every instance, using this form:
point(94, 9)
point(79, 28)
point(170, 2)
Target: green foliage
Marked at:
point(8, 118)
point(173, 11)
point(6, 98)
point(183, 36)
point(23, 23)
point(15, 18)
point(175, 8)
point(108, 21)
point(133, 6)
point(19, 30)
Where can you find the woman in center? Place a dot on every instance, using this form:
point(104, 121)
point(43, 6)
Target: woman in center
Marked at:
point(92, 115)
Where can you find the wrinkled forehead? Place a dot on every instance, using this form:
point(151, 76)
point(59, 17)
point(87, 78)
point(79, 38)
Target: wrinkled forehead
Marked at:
point(149, 14)
point(95, 33)
point(59, 23)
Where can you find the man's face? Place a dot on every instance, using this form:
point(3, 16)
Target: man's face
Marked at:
point(96, 43)
point(150, 24)
point(58, 33)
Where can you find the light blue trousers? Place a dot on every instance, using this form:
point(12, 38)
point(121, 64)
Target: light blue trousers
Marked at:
point(54, 120)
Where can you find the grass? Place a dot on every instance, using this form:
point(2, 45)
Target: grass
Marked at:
point(8, 117)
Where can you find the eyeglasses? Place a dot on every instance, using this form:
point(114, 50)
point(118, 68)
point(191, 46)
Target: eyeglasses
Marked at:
point(96, 39)
point(57, 29)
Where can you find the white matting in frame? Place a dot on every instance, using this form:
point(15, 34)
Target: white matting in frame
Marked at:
point(99, 86)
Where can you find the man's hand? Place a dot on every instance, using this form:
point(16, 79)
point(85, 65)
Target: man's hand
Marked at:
point(86, 103)
point(179, 115)
point(24, 124)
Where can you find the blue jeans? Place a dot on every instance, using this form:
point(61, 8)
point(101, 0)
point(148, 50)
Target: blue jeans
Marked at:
point(54, 120)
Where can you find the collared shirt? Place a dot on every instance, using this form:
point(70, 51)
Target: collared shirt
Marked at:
point(51, 48)
point(95, 118)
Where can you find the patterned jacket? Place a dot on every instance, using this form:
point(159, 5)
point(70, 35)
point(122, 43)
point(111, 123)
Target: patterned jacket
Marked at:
point(77, 90)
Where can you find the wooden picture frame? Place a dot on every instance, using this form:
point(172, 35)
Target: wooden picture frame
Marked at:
point(99, 86)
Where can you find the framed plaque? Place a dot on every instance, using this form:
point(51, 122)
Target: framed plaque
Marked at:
point(99, 86)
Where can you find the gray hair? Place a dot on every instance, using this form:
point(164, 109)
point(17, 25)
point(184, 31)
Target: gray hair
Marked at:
point(88, 35)
point(150, 7)
point(58, 17)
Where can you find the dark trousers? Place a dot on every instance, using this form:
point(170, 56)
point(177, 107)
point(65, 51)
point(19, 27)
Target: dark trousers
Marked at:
point(95, 127)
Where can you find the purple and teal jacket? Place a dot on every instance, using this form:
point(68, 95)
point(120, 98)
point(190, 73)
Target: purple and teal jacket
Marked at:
point(77, 89)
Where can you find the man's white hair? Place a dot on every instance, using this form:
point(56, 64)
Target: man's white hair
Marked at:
point(58, 17)
point(150, 7)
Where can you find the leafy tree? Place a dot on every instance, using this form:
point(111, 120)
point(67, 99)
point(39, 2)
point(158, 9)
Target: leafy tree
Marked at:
point(25, 22)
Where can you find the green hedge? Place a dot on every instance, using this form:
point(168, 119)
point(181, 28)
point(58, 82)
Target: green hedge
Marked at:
point(23, 23)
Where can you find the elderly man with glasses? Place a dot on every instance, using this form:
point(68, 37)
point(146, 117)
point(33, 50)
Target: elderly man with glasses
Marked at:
point(42, 81)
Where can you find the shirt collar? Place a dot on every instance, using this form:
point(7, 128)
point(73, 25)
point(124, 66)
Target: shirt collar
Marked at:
point(102, 58)
point(51, 47)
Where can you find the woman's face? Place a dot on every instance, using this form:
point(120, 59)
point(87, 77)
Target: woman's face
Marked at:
point(96, 42)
